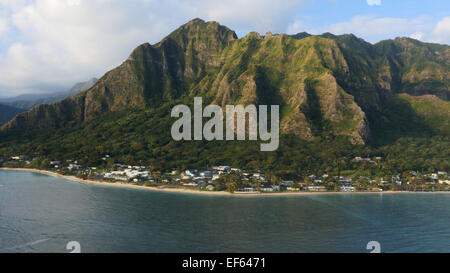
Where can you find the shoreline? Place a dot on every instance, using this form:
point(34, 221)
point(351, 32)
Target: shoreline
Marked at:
point(198, 192)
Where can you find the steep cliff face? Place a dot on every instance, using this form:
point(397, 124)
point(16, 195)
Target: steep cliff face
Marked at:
point(298, 76)
point(417, 68)
point(326, 85)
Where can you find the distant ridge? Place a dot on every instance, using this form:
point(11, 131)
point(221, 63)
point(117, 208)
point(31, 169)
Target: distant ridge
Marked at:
point(28, 101)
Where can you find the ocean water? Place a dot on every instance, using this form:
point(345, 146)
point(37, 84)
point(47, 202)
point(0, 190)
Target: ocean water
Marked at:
point(40, 213)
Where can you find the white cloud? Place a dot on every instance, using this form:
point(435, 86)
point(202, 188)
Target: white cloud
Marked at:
point(3, 27)
point(56, 43)
point(253, 15)
point(441, 33)
point(297, 26)
point(374, 2)
point(73, 2)
point(418, 35)
point(372, 26)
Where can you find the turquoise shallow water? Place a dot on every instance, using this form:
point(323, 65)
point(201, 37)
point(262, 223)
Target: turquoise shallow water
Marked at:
point(40, 213)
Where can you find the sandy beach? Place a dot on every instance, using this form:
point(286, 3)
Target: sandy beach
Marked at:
point(188, 191)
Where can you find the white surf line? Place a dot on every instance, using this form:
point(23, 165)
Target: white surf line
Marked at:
point(28, 244)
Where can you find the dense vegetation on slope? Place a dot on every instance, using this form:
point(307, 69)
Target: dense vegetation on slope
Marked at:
point(143, 138)
point(337, 94)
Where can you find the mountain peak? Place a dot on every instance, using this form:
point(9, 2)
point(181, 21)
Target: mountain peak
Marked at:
point(301, 35)
point(199, 31)
point(196, 21)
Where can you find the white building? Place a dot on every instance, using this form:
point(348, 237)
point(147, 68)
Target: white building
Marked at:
point(347, 188)
point(74, 167)
point(222, 168)
point(315, 188)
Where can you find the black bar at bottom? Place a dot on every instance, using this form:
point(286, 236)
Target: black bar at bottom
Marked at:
point(223, 262)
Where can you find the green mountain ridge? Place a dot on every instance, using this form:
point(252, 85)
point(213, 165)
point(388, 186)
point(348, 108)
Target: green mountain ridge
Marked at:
point(329, 88)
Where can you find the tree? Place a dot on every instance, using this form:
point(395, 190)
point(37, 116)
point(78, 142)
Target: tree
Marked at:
point(45, 164)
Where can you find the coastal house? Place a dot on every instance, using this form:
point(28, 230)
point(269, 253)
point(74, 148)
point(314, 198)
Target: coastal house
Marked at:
point(222, 168)
point(347, 188)
point(128, 174)
point(190, 184)
point(73, 166)
point(345, 179)
point(191, 173)
point(186, 177)
point(199, 181)
point(316, 188)
point(259, 176)
point(115, 177)
point(362, 159)
point(248, 189)
point(374, 190)
point(206, 174)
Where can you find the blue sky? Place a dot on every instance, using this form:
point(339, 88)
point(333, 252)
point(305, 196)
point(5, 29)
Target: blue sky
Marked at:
point(48, 45)
point(323, 12)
